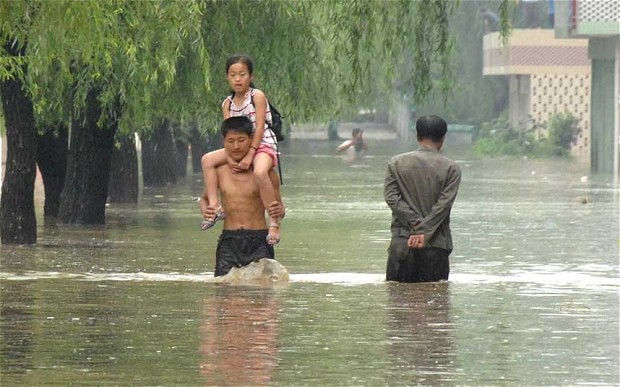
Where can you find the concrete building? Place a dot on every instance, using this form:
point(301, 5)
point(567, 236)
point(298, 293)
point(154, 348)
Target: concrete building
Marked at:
point(546, 76)
point(598, 23)
point(571, 68)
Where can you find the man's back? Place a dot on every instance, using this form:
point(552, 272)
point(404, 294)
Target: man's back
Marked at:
point(425, 166)
point(428, 182)
point(420, 188)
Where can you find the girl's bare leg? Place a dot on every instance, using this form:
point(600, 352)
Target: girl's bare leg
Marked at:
point(262, 165)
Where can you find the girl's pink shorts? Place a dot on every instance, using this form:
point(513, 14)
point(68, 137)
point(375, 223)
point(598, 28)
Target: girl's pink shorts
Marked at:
point(263, 148)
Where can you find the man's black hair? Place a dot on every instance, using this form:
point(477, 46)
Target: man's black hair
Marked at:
point(356, 131)
point(431, 127)
point(237, 124)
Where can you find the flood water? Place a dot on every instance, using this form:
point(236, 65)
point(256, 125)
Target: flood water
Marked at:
point(533, 295)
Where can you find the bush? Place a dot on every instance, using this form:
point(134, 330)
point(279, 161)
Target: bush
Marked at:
point(563, 130)
point(499, 138)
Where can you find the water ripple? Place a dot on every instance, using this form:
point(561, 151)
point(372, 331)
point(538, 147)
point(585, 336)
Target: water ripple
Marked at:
point(565, 279)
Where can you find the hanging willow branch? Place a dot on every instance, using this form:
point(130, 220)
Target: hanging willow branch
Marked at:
point(166, 59)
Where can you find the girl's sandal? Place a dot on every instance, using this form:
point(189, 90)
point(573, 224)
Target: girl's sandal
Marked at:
point(219, 215)
point(273, 239)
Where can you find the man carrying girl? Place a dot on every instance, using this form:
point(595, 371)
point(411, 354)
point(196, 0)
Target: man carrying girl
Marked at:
point(247, 101)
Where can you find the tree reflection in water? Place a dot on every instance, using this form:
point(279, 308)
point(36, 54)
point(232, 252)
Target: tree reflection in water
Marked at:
point(16, 337)
point(240, 336)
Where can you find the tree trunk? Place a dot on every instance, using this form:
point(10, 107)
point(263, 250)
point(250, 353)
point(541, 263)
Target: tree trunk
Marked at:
point(159, 157)
point(52, 160)
point(182, 151)
point(85, 193)
point(332, 131)
point(124, 172)
point(203, 144)
point(198, 144)
point(18, 223)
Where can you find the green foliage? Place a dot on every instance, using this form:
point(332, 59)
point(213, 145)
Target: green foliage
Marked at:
point(150, 60)
point(281, 39)
point(126, 50)
point(390, 46)
point(563, 130)
point(499, 138)
point(471, 98)
point(324, 58)
point(505, 11)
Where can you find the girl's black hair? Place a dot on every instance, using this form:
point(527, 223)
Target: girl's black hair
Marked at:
point(240, 58)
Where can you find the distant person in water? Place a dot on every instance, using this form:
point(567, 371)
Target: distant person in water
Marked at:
point(490, 20)
point(356, 146)
point(420, 188)
point(244, 237)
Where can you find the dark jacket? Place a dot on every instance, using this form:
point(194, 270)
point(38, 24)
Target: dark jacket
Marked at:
point(420, 188)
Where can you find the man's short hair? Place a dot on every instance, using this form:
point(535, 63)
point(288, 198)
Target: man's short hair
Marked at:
point(431, 127)
point(355, 131)
point(237, 124)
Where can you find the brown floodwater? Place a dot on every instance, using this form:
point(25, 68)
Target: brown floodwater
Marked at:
point(533, 295)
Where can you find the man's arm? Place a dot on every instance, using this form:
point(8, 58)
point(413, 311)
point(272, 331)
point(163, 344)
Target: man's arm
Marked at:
point(344, 146)
point(441, 209)
point(393, 197)
point(206, 211)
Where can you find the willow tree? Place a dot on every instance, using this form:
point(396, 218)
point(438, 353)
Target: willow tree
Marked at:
point(118, 66)
point(379, 51)
point(17, 219)
point(172, 108)
point(474, 98)
point(316, 59)
point(280, 37)
point(85, 65)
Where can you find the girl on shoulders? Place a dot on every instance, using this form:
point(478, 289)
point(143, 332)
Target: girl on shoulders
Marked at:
point(245, 100)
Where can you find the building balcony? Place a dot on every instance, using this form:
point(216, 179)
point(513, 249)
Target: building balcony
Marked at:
point(534, 51)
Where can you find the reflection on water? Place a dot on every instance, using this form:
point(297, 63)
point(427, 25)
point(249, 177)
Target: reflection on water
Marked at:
point(16, 345)
point(240, 336)
point(532, 297)
point(421, 337)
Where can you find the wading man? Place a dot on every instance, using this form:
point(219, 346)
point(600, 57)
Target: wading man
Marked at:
point(244, 237)
point(420, 188)
point(356, 142)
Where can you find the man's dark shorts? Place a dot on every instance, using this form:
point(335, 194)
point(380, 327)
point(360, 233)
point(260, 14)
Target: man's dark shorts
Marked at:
point(237, 248)
point(429, 264)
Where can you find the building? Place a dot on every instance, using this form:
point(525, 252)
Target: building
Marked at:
point(546, 76)
point(571, 68)
point(598, 23)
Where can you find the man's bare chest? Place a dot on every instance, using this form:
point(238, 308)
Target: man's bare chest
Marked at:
point(238, 184)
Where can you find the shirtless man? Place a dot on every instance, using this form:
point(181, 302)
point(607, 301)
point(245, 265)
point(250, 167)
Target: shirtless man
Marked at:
point(244, 237)
point(357, 142)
